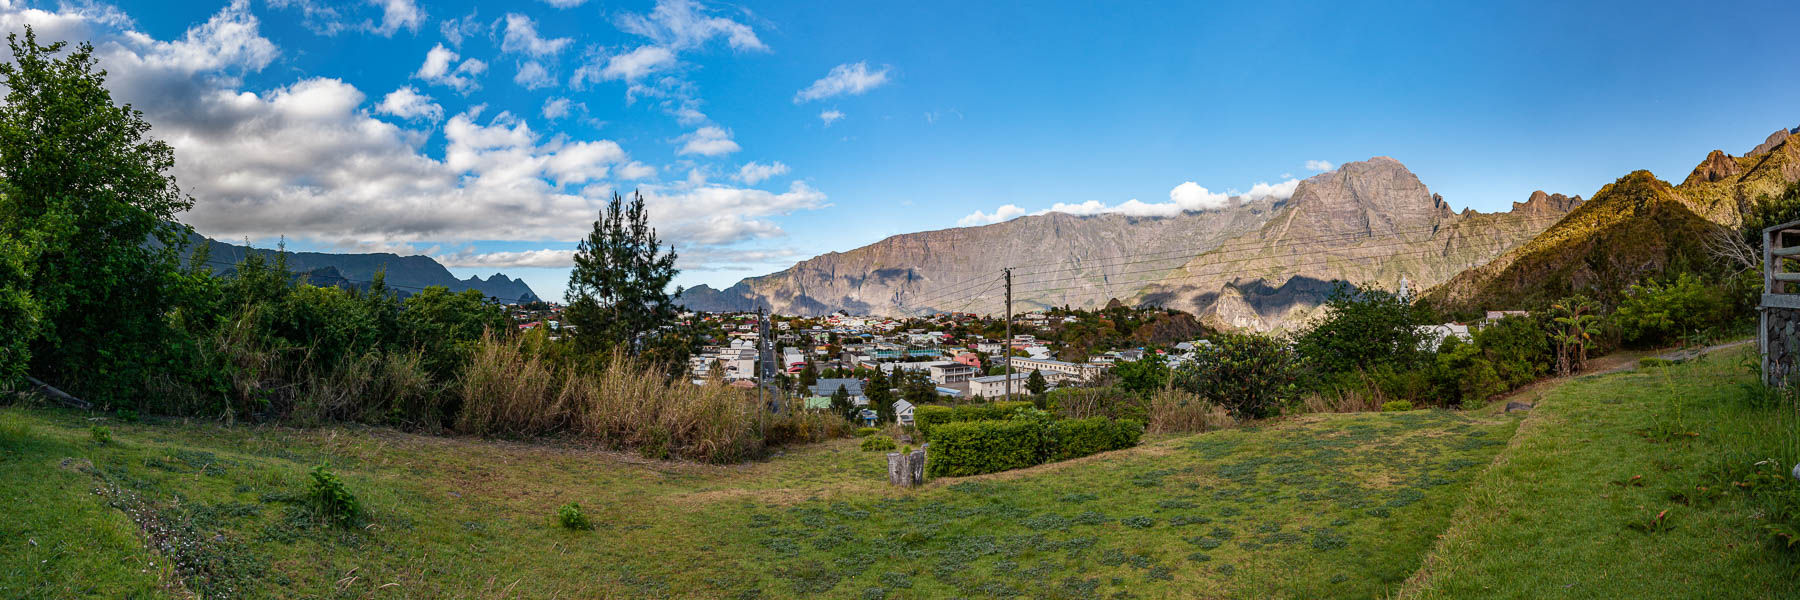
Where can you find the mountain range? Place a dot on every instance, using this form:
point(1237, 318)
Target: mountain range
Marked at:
point(404, 274)
point(1259, 263)
point(1634, 228)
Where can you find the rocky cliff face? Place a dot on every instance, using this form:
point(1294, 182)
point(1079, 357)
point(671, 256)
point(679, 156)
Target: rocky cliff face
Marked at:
point(404, 274)
point(1257, 265)
point(1370, 223)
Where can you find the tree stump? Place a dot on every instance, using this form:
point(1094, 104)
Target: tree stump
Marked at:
point(899, 469)
point(918, 467)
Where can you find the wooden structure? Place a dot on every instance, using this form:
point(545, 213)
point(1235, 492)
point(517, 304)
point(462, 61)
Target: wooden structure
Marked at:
point(906, 469)
point(1778, 331)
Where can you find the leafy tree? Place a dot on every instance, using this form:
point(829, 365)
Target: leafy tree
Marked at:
point(809, 376)
point(618, 291)
point(1036, 384)
point(19, 313)
point(1655, 313)
point(1518, 347)
point(447, 325)
point(82, 182)
point(1576, 326)
point(879, 391)
point(1144, 375)
point(1363, 328)
point(841, 404)
point(1252, 376)
point(918, 389)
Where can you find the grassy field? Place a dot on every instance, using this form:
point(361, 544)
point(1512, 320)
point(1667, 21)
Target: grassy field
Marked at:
point(1339, 505)
point(1343, 506)
point(1571, 508)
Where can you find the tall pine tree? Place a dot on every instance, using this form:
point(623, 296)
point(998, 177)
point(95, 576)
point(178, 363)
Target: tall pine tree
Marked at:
point(618, 292)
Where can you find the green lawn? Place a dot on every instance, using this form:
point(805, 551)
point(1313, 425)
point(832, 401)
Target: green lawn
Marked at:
point(1336, 505)
point(1569, 511)
point(1425, 504)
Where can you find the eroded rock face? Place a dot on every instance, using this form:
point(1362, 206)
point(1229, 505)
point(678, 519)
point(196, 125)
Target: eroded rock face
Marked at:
point(1718, 166)
point(1258, 265)
point(1774, 139)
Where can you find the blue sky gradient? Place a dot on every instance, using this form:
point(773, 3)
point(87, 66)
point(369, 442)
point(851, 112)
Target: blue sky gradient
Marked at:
point(1027, 104)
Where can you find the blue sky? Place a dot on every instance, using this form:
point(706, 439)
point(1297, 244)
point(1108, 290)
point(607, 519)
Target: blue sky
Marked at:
point(325, 122)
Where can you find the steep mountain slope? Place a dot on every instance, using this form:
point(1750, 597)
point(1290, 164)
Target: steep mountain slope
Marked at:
point(1365, 223)
point(957, 269)
point(1636, 227)
point(1255, 265)
point(405, 274)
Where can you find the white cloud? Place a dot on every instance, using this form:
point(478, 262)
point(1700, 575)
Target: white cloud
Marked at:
point(851, 79)
point(831, 116)
point(636, 64)
point(634, 170)
point(396, 15)
point(532, 75)
point(519, 258)
point(457, 30)
point(1190, 196)
point(683, 24)
point(753, 172)
point(707, 141)
point(565, 3)
point(441, 68)
point(1318, 165)
point(521, 36)
point(408, 103)
point(557, 108)
point(1004, 213)
point(317, 159)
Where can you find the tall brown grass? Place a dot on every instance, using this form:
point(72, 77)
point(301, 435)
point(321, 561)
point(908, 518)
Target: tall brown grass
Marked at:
point(1177, 411)
point(509, 389)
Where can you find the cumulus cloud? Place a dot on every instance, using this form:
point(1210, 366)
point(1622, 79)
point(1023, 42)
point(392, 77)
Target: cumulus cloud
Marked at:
point(317, 159)
point(753, 172)
point(457, 30)
point(397, 15)
point(1188, 196)
point(408, 103)
point(844, 79)
point(1318, 165)
point(441, 68)
point(1004, 213)
point(683, 24)
point(707, 141)
point(831, 116)
point(532, 75)
point(637, 64)
point(505, 259)
point(557, 108)
point(521, 36)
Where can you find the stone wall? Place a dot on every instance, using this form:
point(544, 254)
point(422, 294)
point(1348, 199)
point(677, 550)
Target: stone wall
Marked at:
point(1780, 341)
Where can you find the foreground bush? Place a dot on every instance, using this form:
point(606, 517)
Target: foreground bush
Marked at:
point(879, 443)
point(975, 447)
point(928, 417)
point(1075, 438)
point(1656, 313)
point(1251, 376)
point(1177, 411)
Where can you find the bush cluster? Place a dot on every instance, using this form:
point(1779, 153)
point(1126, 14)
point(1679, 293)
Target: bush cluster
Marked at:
point(570, 517)
point(331, 500)
point(878, 443)
point(928, 417)
point(990, 446)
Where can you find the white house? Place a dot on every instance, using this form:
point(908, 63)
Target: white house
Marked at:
point(903, 412)
point(994, 386)
point(1436, 334)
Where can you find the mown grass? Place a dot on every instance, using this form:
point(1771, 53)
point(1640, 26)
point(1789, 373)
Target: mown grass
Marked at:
point(1330, 505)
point(1571, 509)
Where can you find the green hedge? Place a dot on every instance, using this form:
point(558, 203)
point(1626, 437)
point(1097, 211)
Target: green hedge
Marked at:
point(1075, 438)
point(976, 447)
point(930, 416)
point(992, 445)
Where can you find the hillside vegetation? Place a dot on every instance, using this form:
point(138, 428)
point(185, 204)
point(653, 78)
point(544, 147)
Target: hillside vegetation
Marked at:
point(1635, 228)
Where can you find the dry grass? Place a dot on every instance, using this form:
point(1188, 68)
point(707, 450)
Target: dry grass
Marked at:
point(1176, 411)
point(509, 389)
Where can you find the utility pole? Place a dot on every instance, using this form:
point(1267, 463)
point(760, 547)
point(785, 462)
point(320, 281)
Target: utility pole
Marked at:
point(1007, 347)
point(761, 404)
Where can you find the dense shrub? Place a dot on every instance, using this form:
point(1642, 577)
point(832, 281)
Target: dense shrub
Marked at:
point(928, 417)
point(1142, 376)
point(1463, 375)
point(974, 447)
point(1075, 438)
point(1251, 376)
point(1396, 406)
point(866, 431)
point(1655, 313)
point(570, 517)
point(1518, 348)
point(791, 427)
point(331, 500)
point(1361, 329)
point(878, 443)
point(1082, 402)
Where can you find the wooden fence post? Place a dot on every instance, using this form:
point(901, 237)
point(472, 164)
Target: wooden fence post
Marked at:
point(899, 469)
